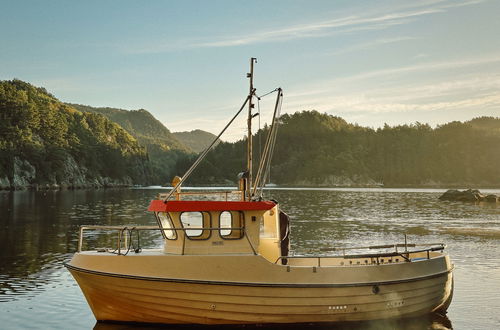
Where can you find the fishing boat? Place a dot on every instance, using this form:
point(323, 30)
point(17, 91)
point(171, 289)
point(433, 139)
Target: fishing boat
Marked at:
point(226, 259)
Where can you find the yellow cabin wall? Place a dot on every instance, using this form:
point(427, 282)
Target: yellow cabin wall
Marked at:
point(269, 246)
point(260, 237)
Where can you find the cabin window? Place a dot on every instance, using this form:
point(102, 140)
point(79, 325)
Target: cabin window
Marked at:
point(196, 224)
point(225, 221)
point(234, 221)
point(165, 224)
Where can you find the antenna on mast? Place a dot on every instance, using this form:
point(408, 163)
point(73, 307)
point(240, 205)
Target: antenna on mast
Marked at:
point(249, 124)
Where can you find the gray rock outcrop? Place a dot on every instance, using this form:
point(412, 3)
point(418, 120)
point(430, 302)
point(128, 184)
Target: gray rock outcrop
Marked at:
point(4, 183)
point(23, 175)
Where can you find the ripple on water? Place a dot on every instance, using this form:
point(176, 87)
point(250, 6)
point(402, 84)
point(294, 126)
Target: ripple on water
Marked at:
point(51, 306)
point(472, 231)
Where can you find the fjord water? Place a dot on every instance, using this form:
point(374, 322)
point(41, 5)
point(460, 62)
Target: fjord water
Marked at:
point(39, 231)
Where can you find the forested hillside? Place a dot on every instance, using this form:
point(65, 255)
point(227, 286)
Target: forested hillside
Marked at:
point(139, 123)
point(163, 147)
point(319, 149)
point(43, 141)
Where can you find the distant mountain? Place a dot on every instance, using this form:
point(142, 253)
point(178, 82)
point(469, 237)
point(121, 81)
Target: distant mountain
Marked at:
point(196, 140)
point(44, 141)
point(141, 124)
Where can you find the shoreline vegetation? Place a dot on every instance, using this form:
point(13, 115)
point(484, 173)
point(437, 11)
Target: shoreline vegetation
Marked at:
point(48, 144)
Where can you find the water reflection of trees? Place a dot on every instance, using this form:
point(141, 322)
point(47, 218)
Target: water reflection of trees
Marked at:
point(40, 231)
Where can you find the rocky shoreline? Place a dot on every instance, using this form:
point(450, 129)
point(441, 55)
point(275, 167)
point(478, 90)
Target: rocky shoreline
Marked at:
point(23, 177)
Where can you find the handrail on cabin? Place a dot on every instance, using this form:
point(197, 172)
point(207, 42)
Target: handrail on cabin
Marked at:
point(178, 195)
point(121, 229)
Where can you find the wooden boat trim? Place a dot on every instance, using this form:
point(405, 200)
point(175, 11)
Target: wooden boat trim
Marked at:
point(288, 285)
point(186, 206)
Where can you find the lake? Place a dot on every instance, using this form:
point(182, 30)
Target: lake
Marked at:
point(39, 231)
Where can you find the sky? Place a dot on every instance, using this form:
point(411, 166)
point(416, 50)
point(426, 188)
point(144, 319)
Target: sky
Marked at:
point(369, 62)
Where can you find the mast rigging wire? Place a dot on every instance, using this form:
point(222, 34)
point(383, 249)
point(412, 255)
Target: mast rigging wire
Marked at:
point(274, 90)
point(259, 132)
point(264, 166)
point(267, 174)
point(205, 152)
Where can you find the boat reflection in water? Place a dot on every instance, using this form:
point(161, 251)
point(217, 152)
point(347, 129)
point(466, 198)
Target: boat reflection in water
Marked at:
point(226, 260)
point(431, 321)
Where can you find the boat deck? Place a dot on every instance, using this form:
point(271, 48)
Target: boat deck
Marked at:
point(301, 261)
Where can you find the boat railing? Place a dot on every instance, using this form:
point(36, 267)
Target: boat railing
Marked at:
point(225, 195)
point(124, 238)
point(404, 254)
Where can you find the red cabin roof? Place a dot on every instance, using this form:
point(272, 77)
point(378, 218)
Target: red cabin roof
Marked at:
point(193, 206)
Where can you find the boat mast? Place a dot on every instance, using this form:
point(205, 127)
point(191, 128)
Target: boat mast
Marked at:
point(249, 123)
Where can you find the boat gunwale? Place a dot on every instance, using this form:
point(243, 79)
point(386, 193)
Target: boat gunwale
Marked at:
point(256, 284)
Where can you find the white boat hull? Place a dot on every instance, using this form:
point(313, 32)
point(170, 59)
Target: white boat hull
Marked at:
point(134, 298)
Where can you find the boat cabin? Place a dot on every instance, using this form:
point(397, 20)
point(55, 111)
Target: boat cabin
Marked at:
point(222, 227)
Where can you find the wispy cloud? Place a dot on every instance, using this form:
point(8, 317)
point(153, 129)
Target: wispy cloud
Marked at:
point(340, 25)
point(429, 66)
point(421, 55)
point(321, 29)
point(326, 86)
point(461, 85)
point(384, 108)
point(371, 44)
point(356, 103)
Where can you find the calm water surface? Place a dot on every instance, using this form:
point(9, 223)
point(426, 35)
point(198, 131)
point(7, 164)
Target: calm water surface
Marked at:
point(39, 231)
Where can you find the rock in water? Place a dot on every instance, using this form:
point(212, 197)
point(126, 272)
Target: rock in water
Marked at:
point(469, 195)
point(450, 195)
